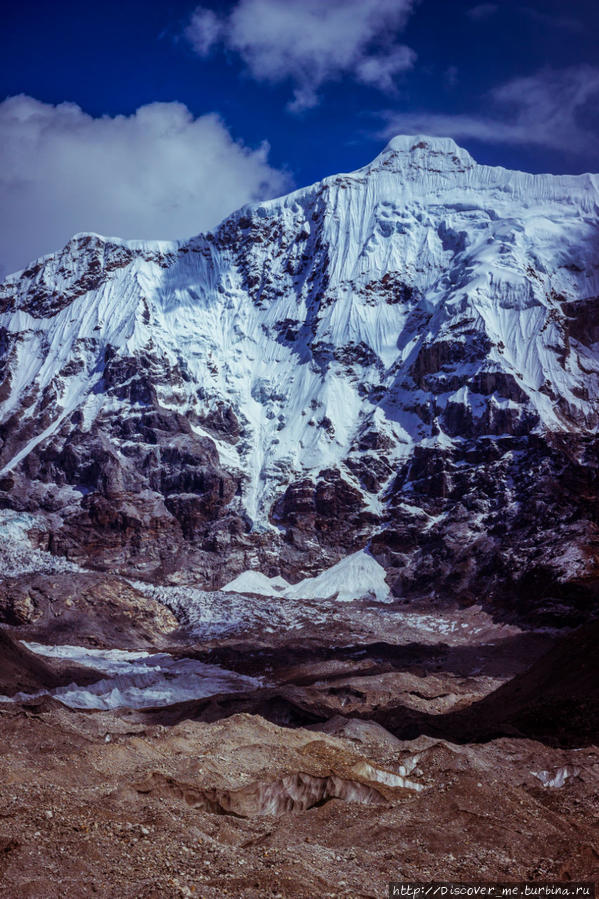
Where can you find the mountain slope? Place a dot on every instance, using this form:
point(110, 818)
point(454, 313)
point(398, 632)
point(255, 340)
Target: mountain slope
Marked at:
point(405, 357)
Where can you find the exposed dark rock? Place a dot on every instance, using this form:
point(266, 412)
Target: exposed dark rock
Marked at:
point(83, 265)
point(372, 471)
point(330, 509)
point(23, 671)
point(433, 357)
point(222, 422)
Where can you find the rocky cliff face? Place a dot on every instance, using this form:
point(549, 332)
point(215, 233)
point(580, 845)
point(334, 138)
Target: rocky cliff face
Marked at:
point(404, 358)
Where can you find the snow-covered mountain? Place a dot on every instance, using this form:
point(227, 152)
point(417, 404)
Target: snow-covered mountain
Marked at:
point(405, 358)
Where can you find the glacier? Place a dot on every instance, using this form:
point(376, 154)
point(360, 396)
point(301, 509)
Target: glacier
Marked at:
point(136, 679)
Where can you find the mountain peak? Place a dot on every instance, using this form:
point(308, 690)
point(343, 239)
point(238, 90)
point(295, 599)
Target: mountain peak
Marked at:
point(356, 361)
point(420, 149)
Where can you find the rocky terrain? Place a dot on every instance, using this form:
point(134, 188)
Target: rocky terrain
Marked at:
point(427, 751)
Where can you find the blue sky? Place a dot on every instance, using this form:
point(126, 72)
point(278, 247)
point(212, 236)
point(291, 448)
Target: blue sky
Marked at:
point(176, 113)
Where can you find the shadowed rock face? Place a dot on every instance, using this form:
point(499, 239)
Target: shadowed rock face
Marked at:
point(332, 511)
point(130, 490)
point(402, 357)
point(555, 701)
point(535, 502)
point(23, 671)
point(89, 608)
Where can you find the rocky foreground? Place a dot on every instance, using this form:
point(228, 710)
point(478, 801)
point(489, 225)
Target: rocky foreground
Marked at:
point(380, 743)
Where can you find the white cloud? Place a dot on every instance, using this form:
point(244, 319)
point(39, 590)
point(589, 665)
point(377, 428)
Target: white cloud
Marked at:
point(204, 30)
point(550, 108)
point(158, 173)
point(311, 42)
point(379, 71)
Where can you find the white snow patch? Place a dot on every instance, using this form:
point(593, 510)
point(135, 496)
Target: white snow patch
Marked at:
point(381, 776)
point(258, 583)
point(556, 778)
point(354, 577)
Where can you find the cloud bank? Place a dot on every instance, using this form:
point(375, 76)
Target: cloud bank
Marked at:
point(552, 109)
point(310, 42)
point(159, 173)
